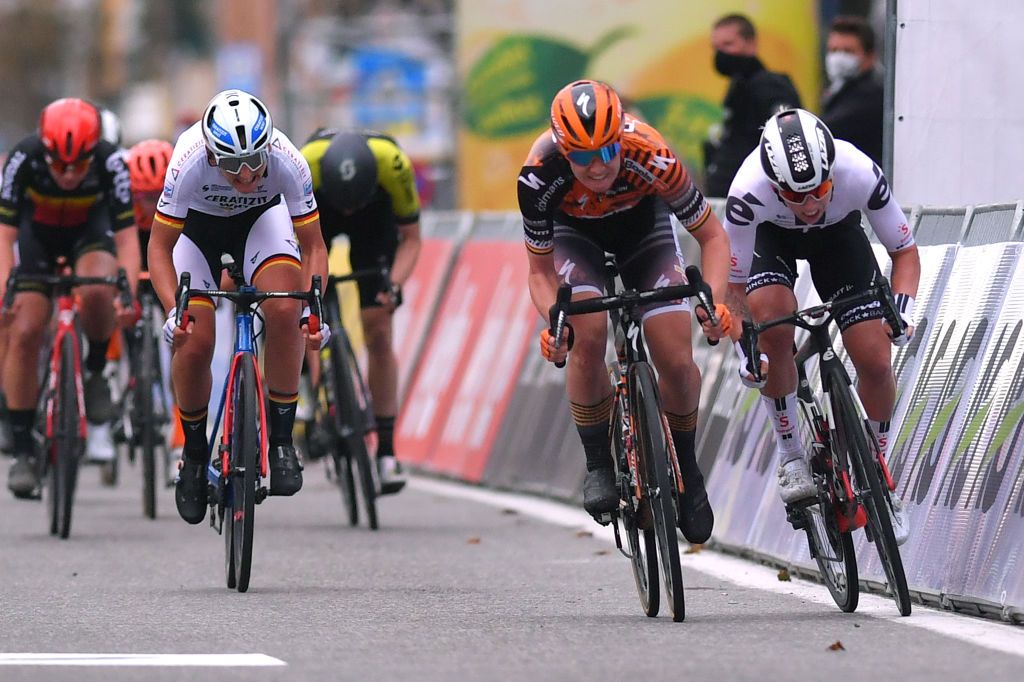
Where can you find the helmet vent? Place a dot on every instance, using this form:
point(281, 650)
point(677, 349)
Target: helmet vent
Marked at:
point(240, 133)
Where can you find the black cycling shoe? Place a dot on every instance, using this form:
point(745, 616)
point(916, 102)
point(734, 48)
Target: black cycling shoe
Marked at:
point(285, 470)
point(600, 492)
point(696, 518)
point(99, 406)
point(190, 491)
point(23, 478)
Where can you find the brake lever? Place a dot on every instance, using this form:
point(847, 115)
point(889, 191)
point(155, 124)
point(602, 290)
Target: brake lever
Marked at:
point(705, 300)
point(557, 317)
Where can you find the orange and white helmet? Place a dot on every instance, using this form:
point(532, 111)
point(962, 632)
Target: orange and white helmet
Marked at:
point(587, 121)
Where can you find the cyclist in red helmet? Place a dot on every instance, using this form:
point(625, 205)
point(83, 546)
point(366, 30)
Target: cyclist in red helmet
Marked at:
point(147, 165)
point(66, 193)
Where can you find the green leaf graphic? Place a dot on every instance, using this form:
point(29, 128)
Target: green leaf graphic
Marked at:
point(683, 120)
point(508, 91)
point(1009, 424)
point(969, 433)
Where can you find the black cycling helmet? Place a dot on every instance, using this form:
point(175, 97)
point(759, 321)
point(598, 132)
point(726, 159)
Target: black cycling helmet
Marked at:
point(348, 172)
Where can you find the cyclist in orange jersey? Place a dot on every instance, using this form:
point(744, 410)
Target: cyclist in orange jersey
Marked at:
point(602, 181)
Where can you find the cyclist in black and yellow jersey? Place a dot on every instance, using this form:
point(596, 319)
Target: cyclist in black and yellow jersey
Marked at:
point(364, 185)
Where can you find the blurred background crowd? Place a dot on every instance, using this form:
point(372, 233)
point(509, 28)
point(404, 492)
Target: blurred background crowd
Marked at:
point(463, 85)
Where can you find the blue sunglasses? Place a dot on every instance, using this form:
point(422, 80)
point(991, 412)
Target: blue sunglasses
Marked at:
point(606, 154)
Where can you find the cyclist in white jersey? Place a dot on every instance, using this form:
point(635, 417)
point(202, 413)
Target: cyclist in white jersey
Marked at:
point(236, 185)
point(800, 195)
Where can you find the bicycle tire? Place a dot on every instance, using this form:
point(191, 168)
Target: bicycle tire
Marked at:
point(642, 557)
point(831, 548)
point(244, 462)
point(66, 443)
point(328, 422)
point(852, 432)
point(351, 420)
point(147, 418)
point(652, 446)
point(347, 483)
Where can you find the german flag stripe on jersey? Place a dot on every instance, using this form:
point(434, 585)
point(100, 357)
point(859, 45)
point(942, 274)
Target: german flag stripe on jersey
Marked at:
point(301, 220)
point(164, 219)
point(276, 260)
point(204, 301)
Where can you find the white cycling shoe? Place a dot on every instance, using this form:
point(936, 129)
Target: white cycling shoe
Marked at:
point(900, 522)
point(795, 481)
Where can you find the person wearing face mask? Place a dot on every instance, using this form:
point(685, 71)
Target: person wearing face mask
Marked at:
point(754, 95)
point(853, 101)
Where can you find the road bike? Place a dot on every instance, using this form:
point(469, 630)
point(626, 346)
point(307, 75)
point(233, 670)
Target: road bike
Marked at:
point(848, 467)
point(237, 475)
point(647, 469)
point(344, 422)
point(62, 401)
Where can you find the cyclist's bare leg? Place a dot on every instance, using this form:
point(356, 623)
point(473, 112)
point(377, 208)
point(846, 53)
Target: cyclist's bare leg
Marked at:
point(190, 364)
point(767, 303)
point(587, 381)
point(382, 364)
point(21, 366)
point(96, 301)
point(285, 346)
point(870, 350)
point(668, 337)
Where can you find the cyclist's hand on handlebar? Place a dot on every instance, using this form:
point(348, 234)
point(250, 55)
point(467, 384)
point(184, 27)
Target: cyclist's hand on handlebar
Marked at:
point(175, 335)
point(724, 326)
point(904, 304)
point(746, 377)
point(317, 341)
point(900, 339)
point(556, 353)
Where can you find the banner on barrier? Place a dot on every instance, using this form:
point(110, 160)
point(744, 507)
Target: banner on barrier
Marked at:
point(479, 338)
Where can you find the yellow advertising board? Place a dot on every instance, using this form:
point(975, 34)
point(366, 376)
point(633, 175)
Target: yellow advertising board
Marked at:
point(514, 55)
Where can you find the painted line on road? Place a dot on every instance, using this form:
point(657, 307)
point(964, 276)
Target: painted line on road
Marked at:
point(161, 660)
point(995, 635)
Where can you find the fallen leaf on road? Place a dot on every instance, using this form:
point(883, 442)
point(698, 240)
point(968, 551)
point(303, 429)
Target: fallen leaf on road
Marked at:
point(784, 575)
point(584, 534)
point(602, 552)
point(694, 549)
point(509, 512)
point(473, 541)
point(836, 646)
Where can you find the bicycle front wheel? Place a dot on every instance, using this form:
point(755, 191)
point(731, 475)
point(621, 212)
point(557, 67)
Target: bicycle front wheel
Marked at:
point(852, 436)
point(831, 548)
point(643, 548)
point(653, 450)
point(349, 412)
point(66, 444)
point(244, 462)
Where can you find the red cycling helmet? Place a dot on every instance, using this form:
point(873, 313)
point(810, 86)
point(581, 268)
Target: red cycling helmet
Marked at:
point(69, 129)
point(147, 164)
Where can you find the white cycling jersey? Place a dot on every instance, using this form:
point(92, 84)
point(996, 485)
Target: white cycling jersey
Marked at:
point(192, 183)
point(857, 185)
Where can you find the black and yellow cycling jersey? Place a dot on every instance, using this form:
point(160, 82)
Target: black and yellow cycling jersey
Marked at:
point(395, 195)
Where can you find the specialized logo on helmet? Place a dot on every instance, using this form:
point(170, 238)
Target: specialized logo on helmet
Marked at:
point(582, 101)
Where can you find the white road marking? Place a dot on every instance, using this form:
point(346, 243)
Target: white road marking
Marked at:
point(994, 635)
point(161, 660)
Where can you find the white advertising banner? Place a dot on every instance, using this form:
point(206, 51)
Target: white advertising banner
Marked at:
point(959, 102)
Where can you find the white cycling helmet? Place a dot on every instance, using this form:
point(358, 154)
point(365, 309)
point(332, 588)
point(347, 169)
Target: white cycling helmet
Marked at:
point(797, 150)
point(237, 128)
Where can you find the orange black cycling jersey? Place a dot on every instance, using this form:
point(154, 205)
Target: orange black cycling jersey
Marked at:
point(30, 192)
point(549, 191)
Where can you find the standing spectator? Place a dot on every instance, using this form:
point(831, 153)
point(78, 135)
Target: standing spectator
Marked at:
point(852, 102)
point(754, 95)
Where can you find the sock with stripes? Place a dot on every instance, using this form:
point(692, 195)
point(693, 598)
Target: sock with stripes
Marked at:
point(592, 425)
point(881, 431)
point(782, 412)
point(193, 425)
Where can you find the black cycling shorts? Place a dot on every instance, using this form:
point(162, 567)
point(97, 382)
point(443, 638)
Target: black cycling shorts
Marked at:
point(39, 245)
point(839, 256)
point(372, 235)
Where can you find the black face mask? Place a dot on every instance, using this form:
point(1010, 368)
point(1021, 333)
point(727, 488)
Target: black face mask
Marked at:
point(730, 65)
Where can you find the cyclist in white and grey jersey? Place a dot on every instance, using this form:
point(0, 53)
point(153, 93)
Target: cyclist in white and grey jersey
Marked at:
point(800, 195)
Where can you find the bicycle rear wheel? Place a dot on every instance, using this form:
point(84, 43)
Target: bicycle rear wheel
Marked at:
point(350, 418)
point(66, 444)
point(652, 446)
point(831, 548)
point(643, 548)
point(851, 432)
point(244, 462)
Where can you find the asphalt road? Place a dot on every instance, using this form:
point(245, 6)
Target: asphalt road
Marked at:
point(448, 588)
